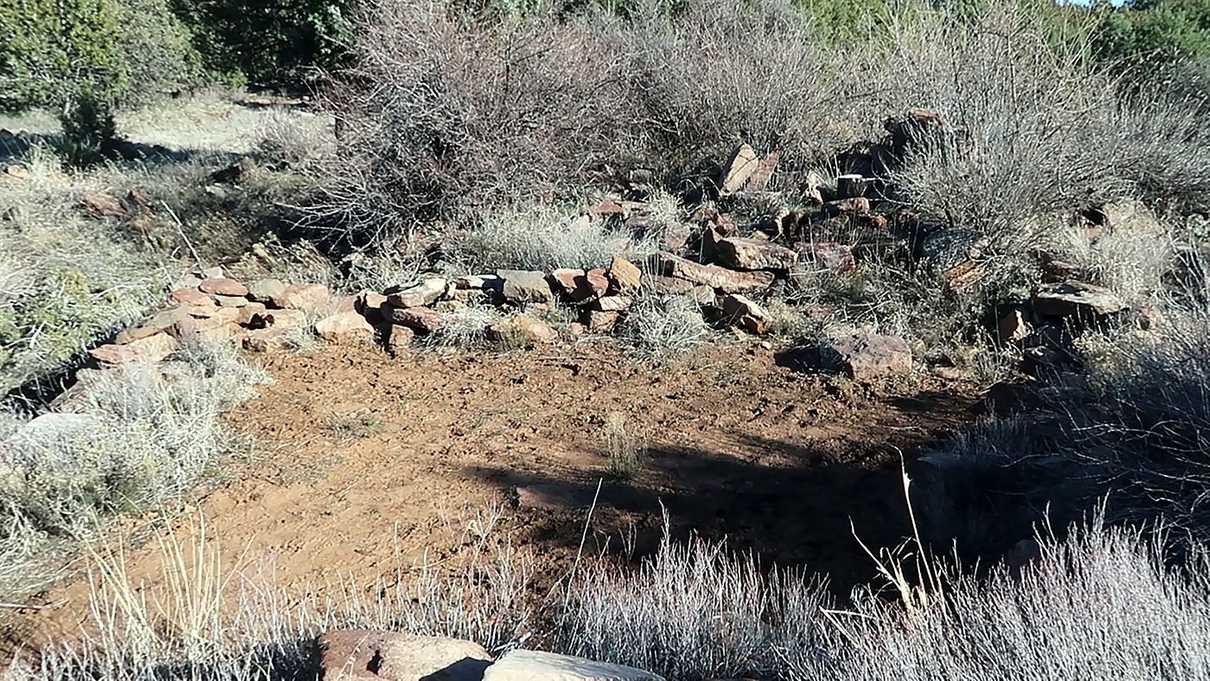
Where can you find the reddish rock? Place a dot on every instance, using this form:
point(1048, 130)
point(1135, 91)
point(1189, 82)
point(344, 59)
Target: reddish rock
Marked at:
point(230, 301)
point(519, 287)
point(730, 281)
point(251, 312)
point(593, 285)
point(522, 329)
point(191, 296)
point(268, 340)
point(830, 256)
point(597, 321)
point(670, 286)
point(854, 206)
point(161, 321)
point(764, 172)
point(607, 208)
point(754, 254)
point(223, 287)
point(420, 319)
point(103, 205)
point(152, 348)
point(745, 313)
point(624, 275)
point(612, 303)
point(399, 339)
point(309, 297)
point(356, 655)
point(343, 327)
point(869, 357)
point(564, 281)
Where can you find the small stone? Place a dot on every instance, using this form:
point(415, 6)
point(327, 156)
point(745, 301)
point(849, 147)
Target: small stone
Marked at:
point(745, 313)
point(230, 301)
point(477, 281)
point(598, 321)
point(675, 238)
point(869, 357)
point(399, 339)
point(266, 290)
point(739, 169)
point(344, 326)
point(268, 339)
point(250, 312)
point(308, 297)
point(191, 296)
point(613, 303)
point(358, 655)
point(703, 295)
point(420, 319)
point(524, 286)
point(425, 293)
point(223, 287)
point(624, 275)
point(531, 665)
point(753, 254)
point(152, 348)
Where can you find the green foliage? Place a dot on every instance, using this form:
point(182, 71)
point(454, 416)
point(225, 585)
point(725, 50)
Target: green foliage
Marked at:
point(266, 43)
point(1148, 34)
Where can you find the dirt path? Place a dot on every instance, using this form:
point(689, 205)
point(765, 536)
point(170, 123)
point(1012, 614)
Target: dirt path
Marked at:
point(365, 461)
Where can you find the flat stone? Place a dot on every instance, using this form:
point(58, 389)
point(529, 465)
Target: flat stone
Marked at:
point(282, 319)
point(344, 326)
point(266, 290)
point(613, 303)
point(477, 281)
point(160, 321)
point(593, 285)
point(230, 301)
point(191, 296)
point(222, 286)
point(149, 349)
point(624, 275)
point(532, 665)
point(524, 286)
point(270, 339)
point(309, 297)
point(670, 286)
point(730, 281)
point(420, 319)
point(754, 254)
point(425, 293)
point(1076, 299)
point(358, 655)
point(868, 356)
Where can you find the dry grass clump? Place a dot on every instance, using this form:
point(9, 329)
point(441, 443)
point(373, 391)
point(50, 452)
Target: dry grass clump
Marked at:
point(135, 438)
point(535, 236)
point(663, 328)
point(625, 448)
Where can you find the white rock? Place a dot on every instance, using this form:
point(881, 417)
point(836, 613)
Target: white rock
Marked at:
point(532, 665)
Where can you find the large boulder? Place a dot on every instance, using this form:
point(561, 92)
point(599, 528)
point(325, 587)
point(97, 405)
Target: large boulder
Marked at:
point(532, 665)
point(730, 281)
point(867, 357)
point(524, 286)
point(357, 655)
point(754, 254)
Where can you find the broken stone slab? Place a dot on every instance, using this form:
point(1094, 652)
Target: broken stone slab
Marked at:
point(754, 254)
point(565, 280)
point(533, 665)
point(308, 297)
point(624, 275)
point(222, 286)
point(160, 321)
point(104, 205)
point(1075, 299)
point(727, 280)
point(522, 329)
point(670, 286)
point(524, 286)
point(764, 172)
point(425, 293)
point(358, 655)
point(266, 290)
point(867, 356)
point(343, 327)
point(739, 169)
point(152, 348)
point(477, 281)
point(745, 313)
point(419, 319)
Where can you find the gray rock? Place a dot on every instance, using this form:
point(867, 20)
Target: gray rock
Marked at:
point(868, 356)
point(266, 290)
point(426, 292)
point(1076, 299)
point(532, 665)
point(524, 286)
point(729, 281)
point(754, 254)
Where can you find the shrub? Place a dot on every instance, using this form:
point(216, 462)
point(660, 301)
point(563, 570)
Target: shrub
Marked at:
point(663, 328)
point(625, 449)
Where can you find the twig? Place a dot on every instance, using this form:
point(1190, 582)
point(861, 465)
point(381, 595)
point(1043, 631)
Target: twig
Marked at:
point(19, 606)
point(180, 229)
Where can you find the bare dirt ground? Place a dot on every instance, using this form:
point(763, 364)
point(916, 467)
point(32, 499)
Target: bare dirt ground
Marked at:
point(777, 461)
